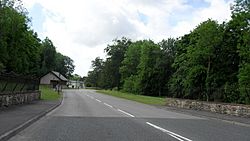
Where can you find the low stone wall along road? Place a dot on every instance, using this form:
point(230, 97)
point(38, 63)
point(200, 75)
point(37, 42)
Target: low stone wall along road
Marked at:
point(87, 115)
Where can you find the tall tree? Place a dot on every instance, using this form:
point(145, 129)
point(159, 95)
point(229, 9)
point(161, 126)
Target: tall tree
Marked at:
point(167, 56)
point(19, 45)
point(197, 65)
point(21, 50)
point(129, 67)
point(48, 56)
point(147, 70)
point(94, 76)
point(177, 83)
point(115, 54)
point(241, 21)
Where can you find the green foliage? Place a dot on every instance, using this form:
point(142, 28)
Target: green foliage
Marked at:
point(131, 84)
point(131, 60)
point(241, 21)
point(21, 50)
point(115, 54)
point(94, 76)
point(147, 70)
point(106, 74)
point(210, 63)
point(48, 93)
point(75, 77)
point(48, 55)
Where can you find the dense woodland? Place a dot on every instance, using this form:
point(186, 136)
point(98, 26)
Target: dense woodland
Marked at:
point(21, 51)
point(210, 63)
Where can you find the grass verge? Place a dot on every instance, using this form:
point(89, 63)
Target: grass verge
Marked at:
point(139, 98)
point(48, 93)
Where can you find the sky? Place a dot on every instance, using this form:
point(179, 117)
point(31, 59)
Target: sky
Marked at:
point(81, 29)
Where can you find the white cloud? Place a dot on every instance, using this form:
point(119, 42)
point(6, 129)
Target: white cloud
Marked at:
point(81, 28)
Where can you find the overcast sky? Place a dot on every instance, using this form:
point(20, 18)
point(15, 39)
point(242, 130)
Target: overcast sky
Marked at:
point(81, 29)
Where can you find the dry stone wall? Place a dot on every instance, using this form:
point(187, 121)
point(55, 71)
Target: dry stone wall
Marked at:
point(222, 108)
point(15, 98)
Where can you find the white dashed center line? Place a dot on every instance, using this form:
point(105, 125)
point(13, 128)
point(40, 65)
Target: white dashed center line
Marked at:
point(98, 100)
point(108, 105)
point(172, 134)
point(126, 113)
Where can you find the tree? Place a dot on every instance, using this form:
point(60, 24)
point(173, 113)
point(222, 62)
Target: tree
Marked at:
point(210, 63)
point(197, 67)
point(147, 70)
point(204, 56)
point(70, 67)
point(241, 21)
point(19, 44)
point(115, 53)
point(129, 67)
point(180, 66)
point(48, 56)
point(94, 76)
point(21, 50)
point(64, 65)
point(75, 77)
point(167, 56)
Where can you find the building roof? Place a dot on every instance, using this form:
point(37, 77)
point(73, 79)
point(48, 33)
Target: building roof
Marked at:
point(59, 76)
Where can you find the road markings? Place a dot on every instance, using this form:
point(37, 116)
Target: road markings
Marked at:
point(112, 107)
point(108, 105)
point(176, 137)
point(98, 100)
point(125, 113)
point(172, 134)
point(90, 97)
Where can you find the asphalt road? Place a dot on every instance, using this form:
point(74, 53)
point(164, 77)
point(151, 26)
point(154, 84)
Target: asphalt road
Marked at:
point(88, 116)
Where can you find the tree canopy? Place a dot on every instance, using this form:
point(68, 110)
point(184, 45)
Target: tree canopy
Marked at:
point(21, 51)
point(210, 63)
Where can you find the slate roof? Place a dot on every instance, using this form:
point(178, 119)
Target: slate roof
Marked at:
point(59, 76)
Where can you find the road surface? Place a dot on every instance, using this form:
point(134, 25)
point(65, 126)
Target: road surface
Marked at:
point(88, 116)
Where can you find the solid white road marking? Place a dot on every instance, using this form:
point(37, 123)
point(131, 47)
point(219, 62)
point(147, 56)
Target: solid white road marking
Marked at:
point(175, 137)
point(108, 105)
point(125, 113)
point(179, 137)
point(98, 100)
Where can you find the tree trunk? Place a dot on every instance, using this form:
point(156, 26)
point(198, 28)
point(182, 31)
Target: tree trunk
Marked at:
point(207, 79)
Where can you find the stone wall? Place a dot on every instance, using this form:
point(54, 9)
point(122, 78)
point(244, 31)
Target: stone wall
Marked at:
point(222, 108)
point(15, 98)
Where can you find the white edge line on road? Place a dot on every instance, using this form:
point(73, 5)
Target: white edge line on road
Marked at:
point(169, 132)
point(98, 100)
point(108, 105)
point(125, 113)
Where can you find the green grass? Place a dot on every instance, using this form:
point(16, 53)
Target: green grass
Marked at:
point(48, 93)
point(139, 98)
